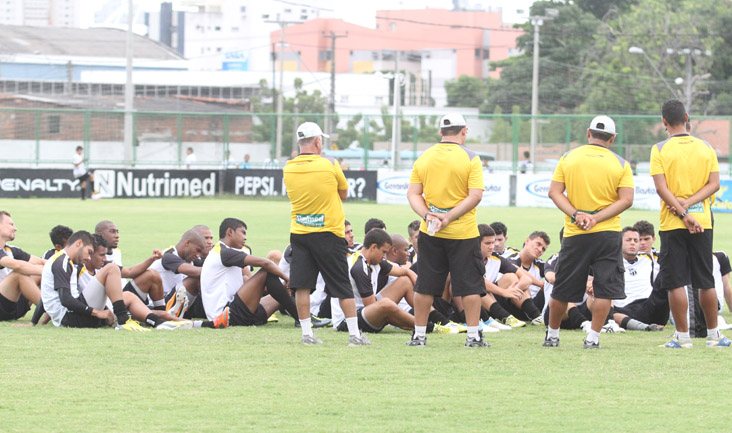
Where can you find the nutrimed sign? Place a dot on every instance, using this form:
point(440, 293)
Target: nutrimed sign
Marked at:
point(155, 183)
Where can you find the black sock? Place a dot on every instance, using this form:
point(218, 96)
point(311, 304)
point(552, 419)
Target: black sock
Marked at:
point(610, 314)
point(529, 308)
point(484, 314)
point(437, 317)
point(280, 294)
point(430, 327)
point(83, 193)
point(624, 322)
point(498, 312)
point(207, 324)
point(38, 312)
point(576, 317)
point(460, 316)
point(153, 320)
point(159, 307)
point(120, 310)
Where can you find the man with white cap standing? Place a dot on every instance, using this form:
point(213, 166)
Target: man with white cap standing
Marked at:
point(445, 187)
point(316, 187)
point(599, 187)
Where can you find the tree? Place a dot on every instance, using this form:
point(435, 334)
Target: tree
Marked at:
point(467, 91)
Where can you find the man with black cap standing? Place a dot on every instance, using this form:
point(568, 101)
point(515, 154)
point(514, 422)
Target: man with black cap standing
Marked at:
point(316, 187)
point(445, 187)
point(599, 187)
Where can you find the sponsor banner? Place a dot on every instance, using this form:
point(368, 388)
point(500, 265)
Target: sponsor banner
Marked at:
point(645, 196)
point(723, 198)
point(392, 188)
point(155, 183)
point(532, 190)
point(270, 183)
point(21, 182)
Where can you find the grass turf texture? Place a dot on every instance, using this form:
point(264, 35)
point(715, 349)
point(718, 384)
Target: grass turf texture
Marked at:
point(251, 379)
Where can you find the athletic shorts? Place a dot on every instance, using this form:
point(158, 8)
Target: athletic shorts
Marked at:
point(76, 320)
point(461, 258)
point(654, 309)
point(602, 251)
point(239, 314)
point(323, 253)
point(685, 259)
point(83, 177)
point(363, 324)
point(143, 296)
point(10, 310)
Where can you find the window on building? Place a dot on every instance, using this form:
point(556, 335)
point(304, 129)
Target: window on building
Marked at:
point(53, 125)
point(243, 9)
point(235, 29)
point(392, 27)
point(218, 49)
point(303, 17)
point(265, 16)
point(324, 55)
point(288, 11)
point(217, 28)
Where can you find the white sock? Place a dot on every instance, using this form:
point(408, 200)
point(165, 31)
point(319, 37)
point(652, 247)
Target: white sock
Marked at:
point(307, 328)
point(159, 303)
point(714, 333)
point(683, 335)
point(473, 332)
point(593, 336)
point(197, 323)
point(420, 331)
point(552, 333)
point(191, 298)
point(352, 323)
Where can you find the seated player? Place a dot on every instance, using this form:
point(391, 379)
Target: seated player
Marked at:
point(501, 238)
point(18, 289)
point(319, 300)
point(529, 260)
point(647, 236)
point(67, 306)
point(413, 232)
point(59, 235)
point(148, 285)
point(352, 248)
point(224, 290)
point(721, 269)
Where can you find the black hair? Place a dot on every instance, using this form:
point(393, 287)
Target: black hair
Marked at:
point(230, 223)
point(540, 234)
point(78, 148)
point(644, 228)
point(378, 237)
point(60, 234)
point(674, 112)
point(348, 223)
point(99, 241)
point(499, 228)
point(629, 229)
point(485, 230)
point(85, 236)
point(3, 214)
point(373, 223)
point(451, 130)
point(413, 227)
point(601, 135)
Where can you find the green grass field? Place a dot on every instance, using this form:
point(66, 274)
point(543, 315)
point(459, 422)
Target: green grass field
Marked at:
point(262, 379)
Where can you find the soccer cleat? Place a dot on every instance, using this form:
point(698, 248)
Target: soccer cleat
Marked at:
point(675, 343)
point(495, 324)
point(612, 327)
point(550, 341)
point(417, 341)
point(538, 320)
point(514, 322)
point(654, 327)
point(132, 325)
point(310, 339)
point(440, 329)
point(358, 340)
point(720, 341)
point(476, 342)
point(485, 327)
point(172, 325)
point(178, 304)
point(457, 328)
point(223, 320)
point(592, 345)
point(320, 322)
point(273, 319)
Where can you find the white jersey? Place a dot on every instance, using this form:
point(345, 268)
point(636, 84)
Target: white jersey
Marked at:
point(167, 267)
point(221, 278)
point(496, 266)
point(14, 253)
point(115, 257)
point(403, 304)
point(58, 273)
point(80, 169)
point(638, 279)
point(319, 295)
point(364, 283)
point(536, 270)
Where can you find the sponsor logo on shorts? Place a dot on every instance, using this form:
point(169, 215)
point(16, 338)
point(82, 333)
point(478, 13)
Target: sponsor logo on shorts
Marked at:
point(310, 220)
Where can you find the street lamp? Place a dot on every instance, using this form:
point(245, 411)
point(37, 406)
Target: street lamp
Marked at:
point(537, 21)
point(639, 50)
point(690, 79)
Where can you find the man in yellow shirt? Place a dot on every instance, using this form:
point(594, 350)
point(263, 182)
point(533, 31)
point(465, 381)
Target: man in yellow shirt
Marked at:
point(599, 187)
point(686, 174)
point(316, 187)
point(445, 187)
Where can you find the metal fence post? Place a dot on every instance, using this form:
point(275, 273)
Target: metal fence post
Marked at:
point(568, 133)
point(227, 120)
point(38, 137)
point(515, 142)
point(619, 139)
point(366, 142)
point(179, 136)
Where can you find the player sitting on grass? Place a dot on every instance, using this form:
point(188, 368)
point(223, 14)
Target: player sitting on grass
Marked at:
point(721, 270)
point(67, 306)
point(529, 260)
point(59, 235)
point(413, 232)
point(223, 289)
point(148, 285)
point(18, 290)
point(501, 238)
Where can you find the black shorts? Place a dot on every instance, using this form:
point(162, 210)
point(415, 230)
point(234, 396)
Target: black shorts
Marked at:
point(83, 177)
point(10, 310)
point(129, 288)
point(363, 324)
point(685, 259)
point(654, 309)
point(461, 258)
point(323, 253)
point(239, 314)
point(603, 252)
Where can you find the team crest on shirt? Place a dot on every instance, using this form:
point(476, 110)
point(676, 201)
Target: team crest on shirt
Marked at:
point(310, 220)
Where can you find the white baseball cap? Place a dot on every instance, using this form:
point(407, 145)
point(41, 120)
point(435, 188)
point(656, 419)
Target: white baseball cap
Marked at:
point(603, 124)
point(310, 129)
point(452, 119)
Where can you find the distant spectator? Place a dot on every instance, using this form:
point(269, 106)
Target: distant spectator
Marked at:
point(80, 172)
point(190, 158)
point(526, 164)
point(246, 164)
point(343, 165)
point(271, 163)
point(634, 167)
point(229, 161)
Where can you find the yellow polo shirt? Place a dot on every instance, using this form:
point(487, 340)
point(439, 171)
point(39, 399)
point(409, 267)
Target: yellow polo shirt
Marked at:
point(686, 162)
point(312, 183)
point(592, 175)
point(446, 172)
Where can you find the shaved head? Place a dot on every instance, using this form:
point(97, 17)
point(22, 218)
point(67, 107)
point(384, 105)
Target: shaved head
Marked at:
point(101, 225)
point(194, 236)
point(398, 241)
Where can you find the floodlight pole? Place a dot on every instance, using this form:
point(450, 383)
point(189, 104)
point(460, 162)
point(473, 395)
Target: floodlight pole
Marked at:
point(536, 21)
point(396, 130)
point(129, 88)
point(639, 50)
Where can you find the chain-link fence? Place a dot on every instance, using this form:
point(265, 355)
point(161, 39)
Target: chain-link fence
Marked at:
point(49, 137)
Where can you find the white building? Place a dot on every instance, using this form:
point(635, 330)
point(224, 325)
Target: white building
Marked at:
point(41, 13)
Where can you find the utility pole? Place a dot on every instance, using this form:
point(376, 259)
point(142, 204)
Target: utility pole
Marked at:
point(537, 21)
point(396, 130)
point(278, 138)
point(129, 88)
point(331, 101)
